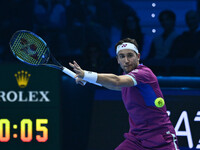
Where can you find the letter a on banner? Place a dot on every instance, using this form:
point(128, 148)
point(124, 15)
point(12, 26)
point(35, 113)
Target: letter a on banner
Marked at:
point(187, 132)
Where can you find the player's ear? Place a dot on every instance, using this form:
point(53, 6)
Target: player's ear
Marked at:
point(138, 56)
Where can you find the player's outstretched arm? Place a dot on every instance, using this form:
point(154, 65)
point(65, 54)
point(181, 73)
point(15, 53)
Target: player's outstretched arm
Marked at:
point(109, 81)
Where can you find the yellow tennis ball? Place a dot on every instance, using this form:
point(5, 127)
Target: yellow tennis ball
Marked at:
point(159, 102)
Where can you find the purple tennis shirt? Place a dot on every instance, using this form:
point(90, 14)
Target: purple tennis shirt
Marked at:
point(145, 119)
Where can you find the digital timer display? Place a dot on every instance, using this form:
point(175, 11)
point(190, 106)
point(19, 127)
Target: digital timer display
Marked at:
point(26, 130)
point(31, 128)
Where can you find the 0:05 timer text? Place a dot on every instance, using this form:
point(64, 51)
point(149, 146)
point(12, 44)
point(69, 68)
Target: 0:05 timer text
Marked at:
point(26, 130)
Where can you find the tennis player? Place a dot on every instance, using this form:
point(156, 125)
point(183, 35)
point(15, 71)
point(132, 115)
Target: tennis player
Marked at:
point(150, 126)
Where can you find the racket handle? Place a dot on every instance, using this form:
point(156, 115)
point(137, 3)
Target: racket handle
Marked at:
point(69, 72)
point(72, 74)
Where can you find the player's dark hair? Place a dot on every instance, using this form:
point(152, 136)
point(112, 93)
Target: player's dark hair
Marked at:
point(129, 40)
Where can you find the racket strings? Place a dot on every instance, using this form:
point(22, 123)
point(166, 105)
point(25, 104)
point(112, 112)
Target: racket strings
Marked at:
point(21, 50)
point(35, 42)
point(29, 48)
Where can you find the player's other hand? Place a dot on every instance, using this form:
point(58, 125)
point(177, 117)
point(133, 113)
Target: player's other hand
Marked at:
point(79, 72)
point(80, 81)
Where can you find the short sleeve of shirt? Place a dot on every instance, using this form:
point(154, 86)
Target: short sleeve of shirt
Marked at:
point(140, 75)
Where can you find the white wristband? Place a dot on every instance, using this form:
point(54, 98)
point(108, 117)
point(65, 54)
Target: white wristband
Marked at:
point(90, 76)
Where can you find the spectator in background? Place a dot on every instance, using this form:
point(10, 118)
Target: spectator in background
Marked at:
point(131, 28)
point(104, 17)
point(49, 14)
point(119, 10)
point(57, 16)
point(41, 11)
point(187, 45)
point(14, 15)
point(57, 27)
point(94, 31)
point(76, 16)
point(161, 45)
point(95, 58)
point(22, 10)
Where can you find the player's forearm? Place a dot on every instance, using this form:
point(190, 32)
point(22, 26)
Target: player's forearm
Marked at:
point(112, 88)
point(109, 80)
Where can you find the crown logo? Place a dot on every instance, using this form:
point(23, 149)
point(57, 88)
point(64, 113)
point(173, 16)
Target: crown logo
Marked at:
point(22, 78)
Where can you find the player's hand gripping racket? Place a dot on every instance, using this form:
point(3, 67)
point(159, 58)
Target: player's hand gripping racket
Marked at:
point(32, 49)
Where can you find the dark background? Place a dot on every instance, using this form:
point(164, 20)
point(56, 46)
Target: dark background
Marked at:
point(87, 31)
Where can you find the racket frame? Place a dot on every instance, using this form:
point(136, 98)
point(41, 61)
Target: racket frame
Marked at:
point(56, 64)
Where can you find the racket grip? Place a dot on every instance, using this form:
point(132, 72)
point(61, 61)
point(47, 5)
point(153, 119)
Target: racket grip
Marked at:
point(72, 74)
point(69, 72)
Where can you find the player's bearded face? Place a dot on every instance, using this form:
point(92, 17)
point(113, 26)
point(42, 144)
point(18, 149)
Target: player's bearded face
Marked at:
point(128, 60)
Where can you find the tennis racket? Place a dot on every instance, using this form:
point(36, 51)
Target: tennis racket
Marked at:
point(33, 50)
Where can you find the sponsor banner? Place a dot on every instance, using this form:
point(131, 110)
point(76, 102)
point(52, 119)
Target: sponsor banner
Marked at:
point(29, 86)
point(184, 112)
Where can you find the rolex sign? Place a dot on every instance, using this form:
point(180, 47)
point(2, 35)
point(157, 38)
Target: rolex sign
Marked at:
point(26, 85)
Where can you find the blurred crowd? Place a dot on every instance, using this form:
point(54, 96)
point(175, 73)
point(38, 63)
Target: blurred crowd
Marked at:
point(87, 30)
